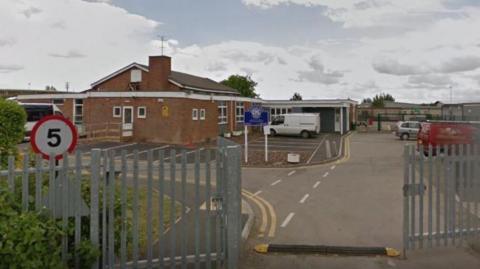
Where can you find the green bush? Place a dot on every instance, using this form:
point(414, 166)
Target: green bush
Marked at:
point(27, 239)
point(12, 129)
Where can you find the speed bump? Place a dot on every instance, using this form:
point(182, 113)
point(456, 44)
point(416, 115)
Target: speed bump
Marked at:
point(327, 250)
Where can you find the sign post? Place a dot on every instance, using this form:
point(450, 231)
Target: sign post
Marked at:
point(256, 116)
point(266, 131)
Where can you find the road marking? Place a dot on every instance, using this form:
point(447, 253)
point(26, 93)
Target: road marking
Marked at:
point(257, 193)
point(326, 174)
point(316, 184)
point(291, 173)
point(305, 197)
point(287, 220)
point(333, 167)
point(276, 182)
point(273, 216)
point(316, 149)
point(263, 211)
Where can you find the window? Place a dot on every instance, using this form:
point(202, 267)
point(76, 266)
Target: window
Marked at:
point(194, 114)
point(78, 112)
point(202, 114)
point(278, 120)
point(222, 112)
point(239, 112)
point(141, 112)
point(117, 112)
point(58, 101)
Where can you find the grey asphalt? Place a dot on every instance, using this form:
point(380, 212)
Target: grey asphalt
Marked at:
point(358, 203)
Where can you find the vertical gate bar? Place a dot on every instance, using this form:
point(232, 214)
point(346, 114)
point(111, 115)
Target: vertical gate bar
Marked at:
point(135, 209)
point(123, 199)
point(412, 197)
point(430, 195)
point(421, 158)
point(468, 188)
point(77, 186)
point(453, 193)
point(51, 185)
point(233, 201)
point(11, 173)
point(64, 201)
point(94, 183)
point(161, 212)
point(446, 176)
point(197, 209)
point(173, 167)
point(476, 178)
point(459, 183)
point(38, 181)
point(183, 234)
point(149, 208)
point(111, 214)
point(438, 166)
point(103, 188)
point(407, 165)
point(218, 216)
point(25, 182)
point(208, 262)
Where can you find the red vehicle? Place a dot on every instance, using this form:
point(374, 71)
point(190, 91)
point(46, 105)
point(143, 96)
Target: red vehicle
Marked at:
point(446, 133)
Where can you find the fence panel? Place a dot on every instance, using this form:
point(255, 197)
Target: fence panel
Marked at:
point(156, 209)
point(441, 195)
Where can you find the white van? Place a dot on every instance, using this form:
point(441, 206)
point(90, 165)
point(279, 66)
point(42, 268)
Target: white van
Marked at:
point(306, 125)
point(36, 111)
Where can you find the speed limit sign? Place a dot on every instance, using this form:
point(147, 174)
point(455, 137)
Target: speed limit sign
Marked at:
point(53, 135)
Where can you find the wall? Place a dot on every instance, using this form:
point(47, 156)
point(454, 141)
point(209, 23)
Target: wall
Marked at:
point(327, 117)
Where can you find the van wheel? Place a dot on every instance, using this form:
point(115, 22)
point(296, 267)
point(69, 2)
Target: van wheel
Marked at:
point(305, 134)
point(272, 132)
point(404, 136)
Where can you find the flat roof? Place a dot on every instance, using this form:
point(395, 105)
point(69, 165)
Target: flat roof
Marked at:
point(312, 103)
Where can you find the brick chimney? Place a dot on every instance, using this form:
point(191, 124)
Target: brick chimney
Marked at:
point(160, 68)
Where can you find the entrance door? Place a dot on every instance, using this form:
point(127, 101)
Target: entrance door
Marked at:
point(337, 120)
point(127, 121)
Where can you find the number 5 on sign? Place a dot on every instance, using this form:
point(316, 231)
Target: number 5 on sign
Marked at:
point(54, 135)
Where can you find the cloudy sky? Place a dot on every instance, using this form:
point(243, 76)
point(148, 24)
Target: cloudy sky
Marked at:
point(413, 49)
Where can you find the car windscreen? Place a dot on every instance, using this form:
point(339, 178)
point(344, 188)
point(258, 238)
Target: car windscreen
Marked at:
point(36, 112)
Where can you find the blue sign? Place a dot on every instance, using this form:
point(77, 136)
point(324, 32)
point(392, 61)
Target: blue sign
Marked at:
point(256, 116)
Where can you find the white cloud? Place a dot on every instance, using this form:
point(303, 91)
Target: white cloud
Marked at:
point(80, 44)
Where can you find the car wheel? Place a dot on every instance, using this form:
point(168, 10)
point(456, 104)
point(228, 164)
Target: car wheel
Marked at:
point(404, 137)
point(305, 134)
point(272, 132)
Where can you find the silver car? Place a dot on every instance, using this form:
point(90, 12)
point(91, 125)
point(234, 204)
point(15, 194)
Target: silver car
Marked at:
point(407, 129)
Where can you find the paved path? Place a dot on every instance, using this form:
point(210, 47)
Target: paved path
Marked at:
point(355, 202)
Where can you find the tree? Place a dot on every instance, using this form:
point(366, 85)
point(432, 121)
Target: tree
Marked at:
point(50, 88)
point(12, 129)
point(367, 101)
point(243, 84)
point(379, 100)
point(296, 97)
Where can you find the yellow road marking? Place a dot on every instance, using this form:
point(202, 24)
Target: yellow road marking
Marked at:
point(273, 216)
point(346, 156)
point(263, 226)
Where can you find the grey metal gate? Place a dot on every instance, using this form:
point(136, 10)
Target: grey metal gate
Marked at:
point(162, 208)
point(441, 196)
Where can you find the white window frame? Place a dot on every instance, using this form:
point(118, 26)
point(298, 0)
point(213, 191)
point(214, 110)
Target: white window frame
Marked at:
point(239, 112)
point(194, 114)
point(202, 114)
point(119, 115)
point(222, 112)
point(144, 116)
point(75, 105)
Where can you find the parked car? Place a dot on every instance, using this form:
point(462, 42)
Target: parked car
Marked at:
point(407, 129)
point(306, 125)
point(443, 133)
point(36, 111)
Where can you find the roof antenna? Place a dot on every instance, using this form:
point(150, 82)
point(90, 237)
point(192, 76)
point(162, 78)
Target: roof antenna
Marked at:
point(162, 39)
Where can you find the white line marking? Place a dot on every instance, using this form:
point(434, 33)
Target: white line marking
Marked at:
point(287, 220)
point(257, 193)
point(316, 149)
point(326, 174)
point(304, 198)
point(291, 173)
point(276, 182)
point(333, 167)
point(316, 184)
